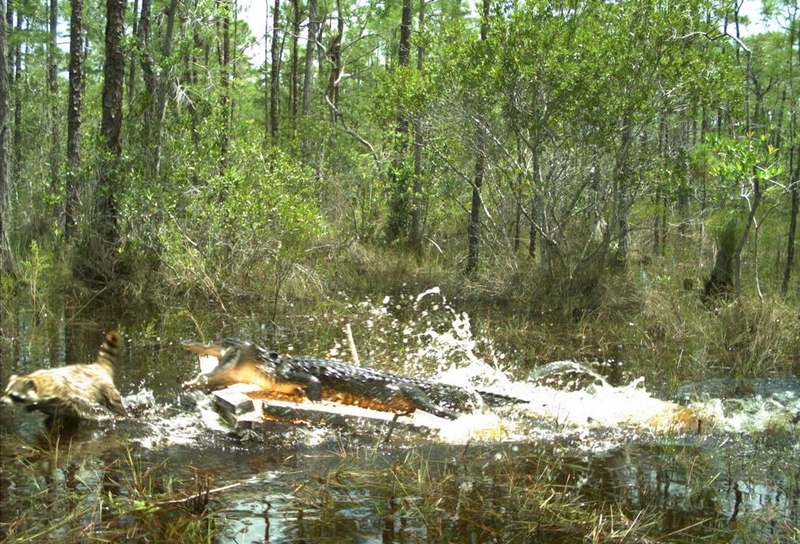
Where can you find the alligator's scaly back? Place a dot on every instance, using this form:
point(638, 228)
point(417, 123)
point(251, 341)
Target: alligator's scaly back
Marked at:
point(318, 379)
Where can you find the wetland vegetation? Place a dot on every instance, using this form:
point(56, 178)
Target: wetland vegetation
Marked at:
point(591, 204)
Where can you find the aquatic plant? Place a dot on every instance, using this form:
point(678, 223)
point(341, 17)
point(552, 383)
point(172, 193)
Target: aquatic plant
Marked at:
point(64, 495)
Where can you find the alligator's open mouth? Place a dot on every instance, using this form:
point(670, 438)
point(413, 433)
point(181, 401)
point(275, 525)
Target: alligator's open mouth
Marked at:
point(214, 349)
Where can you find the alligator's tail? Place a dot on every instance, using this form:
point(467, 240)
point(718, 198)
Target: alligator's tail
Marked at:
point(495, 400)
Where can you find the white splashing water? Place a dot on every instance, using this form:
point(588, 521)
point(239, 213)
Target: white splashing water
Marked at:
point(603, 414)
point(551, 411)
point(168, 425)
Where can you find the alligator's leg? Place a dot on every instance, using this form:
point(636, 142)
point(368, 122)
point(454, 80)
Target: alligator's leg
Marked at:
point(391, 428)
point(420, 399)
point(312, 383)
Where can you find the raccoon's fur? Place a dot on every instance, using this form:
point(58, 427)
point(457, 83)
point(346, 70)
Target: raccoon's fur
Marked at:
point(72, 391)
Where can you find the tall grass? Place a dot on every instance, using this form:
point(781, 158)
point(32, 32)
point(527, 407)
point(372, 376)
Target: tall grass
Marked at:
point(61, 495)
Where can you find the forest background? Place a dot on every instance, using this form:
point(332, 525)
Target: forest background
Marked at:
point(605, 181)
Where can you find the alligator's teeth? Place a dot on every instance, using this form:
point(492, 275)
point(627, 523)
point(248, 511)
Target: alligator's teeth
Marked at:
point(208, 363)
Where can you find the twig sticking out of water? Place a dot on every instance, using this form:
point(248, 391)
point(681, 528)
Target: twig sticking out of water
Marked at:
point(202, 493)
point(737, 494)
point(348, 331)
point(391, 428)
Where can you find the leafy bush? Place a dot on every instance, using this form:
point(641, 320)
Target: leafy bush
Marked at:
point(250, 222)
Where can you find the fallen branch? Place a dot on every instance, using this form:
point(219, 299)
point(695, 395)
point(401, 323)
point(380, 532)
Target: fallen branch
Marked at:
point(198, 495)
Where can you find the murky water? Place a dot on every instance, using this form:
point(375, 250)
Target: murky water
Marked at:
point(720, 459)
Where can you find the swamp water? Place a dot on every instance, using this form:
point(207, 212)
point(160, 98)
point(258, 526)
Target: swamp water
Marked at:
point(582, 461)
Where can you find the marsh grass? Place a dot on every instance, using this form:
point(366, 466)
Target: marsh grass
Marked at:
point(650, 315)
point(426, 493)
point(636, 322)
point(64, 496)
point(642, 321)
point(490, 495)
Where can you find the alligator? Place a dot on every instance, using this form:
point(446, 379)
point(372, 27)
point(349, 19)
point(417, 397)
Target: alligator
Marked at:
point(297, 378)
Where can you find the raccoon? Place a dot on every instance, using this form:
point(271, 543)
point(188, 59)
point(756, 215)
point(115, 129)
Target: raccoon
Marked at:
point(73, 391)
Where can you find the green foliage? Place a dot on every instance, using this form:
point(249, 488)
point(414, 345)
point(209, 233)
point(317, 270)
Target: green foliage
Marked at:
point(32, 272)
point(403, 91)
point(601, 124)
point(235, 227)
point(745, 158)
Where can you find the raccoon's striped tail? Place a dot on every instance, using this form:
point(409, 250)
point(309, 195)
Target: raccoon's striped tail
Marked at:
point(107, 355)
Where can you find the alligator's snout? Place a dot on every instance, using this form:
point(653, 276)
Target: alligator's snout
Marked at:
point(202, 348)
point(215, 349)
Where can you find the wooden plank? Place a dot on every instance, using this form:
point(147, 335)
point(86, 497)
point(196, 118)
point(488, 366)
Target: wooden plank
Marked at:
point(233, 402)
point(243, 412)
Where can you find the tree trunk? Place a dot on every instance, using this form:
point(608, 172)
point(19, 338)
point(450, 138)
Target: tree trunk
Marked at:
point(720, 282)
point(794, 190)
point(274, 76)
point(163, 86)
point(399, 199)
point(6, 257)
point(335, 58)
point(726, 273)
point(55, 125)
point(294, 76)
point(267, 88)
point(105, 233)
point(537, 212)
point(114, 75)
point(308, 78)
point(754, 202)
point(191, 62)
point(156, 83)
point(225, 77)
point(415, 235)
point(794, 184)
point(148, 129)
point(74, 111)
point(16, 166)
point(474, 228)
point(131, 80)
point(622, 184)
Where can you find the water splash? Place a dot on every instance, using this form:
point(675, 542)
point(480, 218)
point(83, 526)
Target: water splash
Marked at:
point(760, 405)
point(185, 422)
point(568, 397)
point(562, 398)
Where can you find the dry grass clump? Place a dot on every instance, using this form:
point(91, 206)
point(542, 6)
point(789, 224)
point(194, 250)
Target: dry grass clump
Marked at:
point(679, 338)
